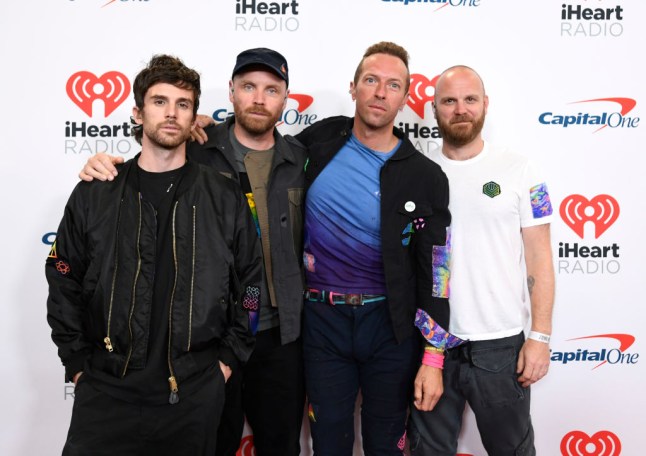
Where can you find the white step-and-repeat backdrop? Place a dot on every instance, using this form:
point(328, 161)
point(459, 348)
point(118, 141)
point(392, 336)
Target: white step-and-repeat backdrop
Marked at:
point(566, 85)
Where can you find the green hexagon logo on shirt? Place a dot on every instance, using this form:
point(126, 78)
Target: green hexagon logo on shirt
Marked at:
point(491, 189)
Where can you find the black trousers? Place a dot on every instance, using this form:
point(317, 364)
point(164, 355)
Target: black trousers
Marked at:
point(270, 392)
point(104, 426)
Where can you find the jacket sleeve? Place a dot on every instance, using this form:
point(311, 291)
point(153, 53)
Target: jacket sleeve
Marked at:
point(239, 339)
point(65, 269)
point(433, 259)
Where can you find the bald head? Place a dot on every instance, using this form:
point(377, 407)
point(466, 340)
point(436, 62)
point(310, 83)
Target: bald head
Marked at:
point(460, 106)
point(460, 73)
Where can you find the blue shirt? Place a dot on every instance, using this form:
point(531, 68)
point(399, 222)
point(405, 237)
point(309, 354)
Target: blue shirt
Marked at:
point(342, 250)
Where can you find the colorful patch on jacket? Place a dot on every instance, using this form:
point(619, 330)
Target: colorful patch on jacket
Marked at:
point(310, 413)
point(540, 200)
point(441, 271)
point(251, 303)
point(52, 251)
point(412, 227)
point(434, 333)
point(254, 212)
point(402, 442)
point(63, 267)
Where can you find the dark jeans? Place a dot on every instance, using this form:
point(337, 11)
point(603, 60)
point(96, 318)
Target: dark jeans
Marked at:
point(104, 426)
point(270, 391)
point(348, 348)
point(482, 373)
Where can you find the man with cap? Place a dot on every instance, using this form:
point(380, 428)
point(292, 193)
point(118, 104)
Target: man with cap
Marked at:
point(269, 390)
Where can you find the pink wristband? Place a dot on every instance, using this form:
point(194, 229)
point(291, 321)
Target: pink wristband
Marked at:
point(433, 360)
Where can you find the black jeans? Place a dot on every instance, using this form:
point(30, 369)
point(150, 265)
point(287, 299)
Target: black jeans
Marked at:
point(270, 391)
point(104, 426)
point(482, 373)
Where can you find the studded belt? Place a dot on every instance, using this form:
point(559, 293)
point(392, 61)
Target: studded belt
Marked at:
point(351, 299)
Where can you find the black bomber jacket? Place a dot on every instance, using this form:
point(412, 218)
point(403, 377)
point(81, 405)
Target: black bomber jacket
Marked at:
point(101, 272)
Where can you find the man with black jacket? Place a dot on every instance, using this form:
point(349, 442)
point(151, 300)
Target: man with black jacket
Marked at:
point(152, 280)
point(270, 389)
point(375, 255)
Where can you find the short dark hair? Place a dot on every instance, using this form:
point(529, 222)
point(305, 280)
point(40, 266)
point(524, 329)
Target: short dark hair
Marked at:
point(385, 47)
point(164, 68)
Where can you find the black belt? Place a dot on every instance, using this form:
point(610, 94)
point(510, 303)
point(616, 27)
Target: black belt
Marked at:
point(351, 299)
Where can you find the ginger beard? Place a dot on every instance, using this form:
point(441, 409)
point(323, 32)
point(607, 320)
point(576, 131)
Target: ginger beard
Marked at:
point(460, 130)
point(256, 120)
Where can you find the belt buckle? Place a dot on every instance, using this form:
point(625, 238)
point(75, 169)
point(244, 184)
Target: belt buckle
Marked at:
point(354, 299)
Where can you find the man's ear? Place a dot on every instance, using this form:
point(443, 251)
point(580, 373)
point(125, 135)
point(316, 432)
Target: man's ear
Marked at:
point(136, 114)
point(231, 91)
point(352, 91)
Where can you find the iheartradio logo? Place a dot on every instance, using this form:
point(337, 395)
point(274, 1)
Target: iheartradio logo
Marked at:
point(602, 211)
point(578, 443)
point(246, 447)
point(418, 97)
point(84, 88)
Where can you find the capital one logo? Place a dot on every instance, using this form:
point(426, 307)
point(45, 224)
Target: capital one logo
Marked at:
point(84, 88)
point(577, 210)
point(418, 93)
point(578, 443)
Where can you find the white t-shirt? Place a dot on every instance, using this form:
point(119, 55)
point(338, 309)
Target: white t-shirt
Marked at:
point(492, 196)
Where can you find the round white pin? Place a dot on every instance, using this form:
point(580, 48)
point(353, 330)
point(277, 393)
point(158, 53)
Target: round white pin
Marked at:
point(409, 206)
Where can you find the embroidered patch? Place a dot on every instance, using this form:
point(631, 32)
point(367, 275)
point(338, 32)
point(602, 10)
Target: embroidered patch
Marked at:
point(441, 271)
point(52, 251)
point(309, 261)
point(407, 233)
point(402, 442)
point(63, 267)
point(540, 200)
point(434, 333)
point(310, 413)
point(254, 212)
point(491, 189)
point(254, 318)
point(251, 299)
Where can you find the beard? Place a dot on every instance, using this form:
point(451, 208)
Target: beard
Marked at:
point(253, 124)
point(163, 140)
point(460, 134)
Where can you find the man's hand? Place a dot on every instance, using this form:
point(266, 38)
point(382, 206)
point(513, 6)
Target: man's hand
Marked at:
point(100, 166)
point(226, 371)
point(197, 130)
point(533, 362)
point(76, 377)
point(428, 387)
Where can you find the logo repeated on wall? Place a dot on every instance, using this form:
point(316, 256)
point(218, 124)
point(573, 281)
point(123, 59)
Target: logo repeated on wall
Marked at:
point(600, 212)
point(294, 113)
point(602, 443)
point(596, 356)
point(421, 93)
point(246, 447)
point(440, 3)
point(87, 90)
point(580, 20)
point(610, 112)
point(259, 16)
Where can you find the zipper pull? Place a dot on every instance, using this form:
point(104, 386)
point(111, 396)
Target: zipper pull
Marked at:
point(174, 397)
point(108, 344)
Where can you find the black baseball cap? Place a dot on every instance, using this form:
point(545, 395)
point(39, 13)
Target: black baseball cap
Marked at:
point(265, 57)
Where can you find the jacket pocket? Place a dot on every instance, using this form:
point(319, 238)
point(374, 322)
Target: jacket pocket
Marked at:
point(296, 196)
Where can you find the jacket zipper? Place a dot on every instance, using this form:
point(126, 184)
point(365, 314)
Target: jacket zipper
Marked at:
point(106, 339)
point(190, 304)
point(134, 288)
point(172, 381)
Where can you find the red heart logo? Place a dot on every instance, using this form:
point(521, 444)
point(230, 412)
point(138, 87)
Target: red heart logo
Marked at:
point(604, 212)
point(84, 87)
point(246, 447)
point(578, 443)
point(418, 96)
